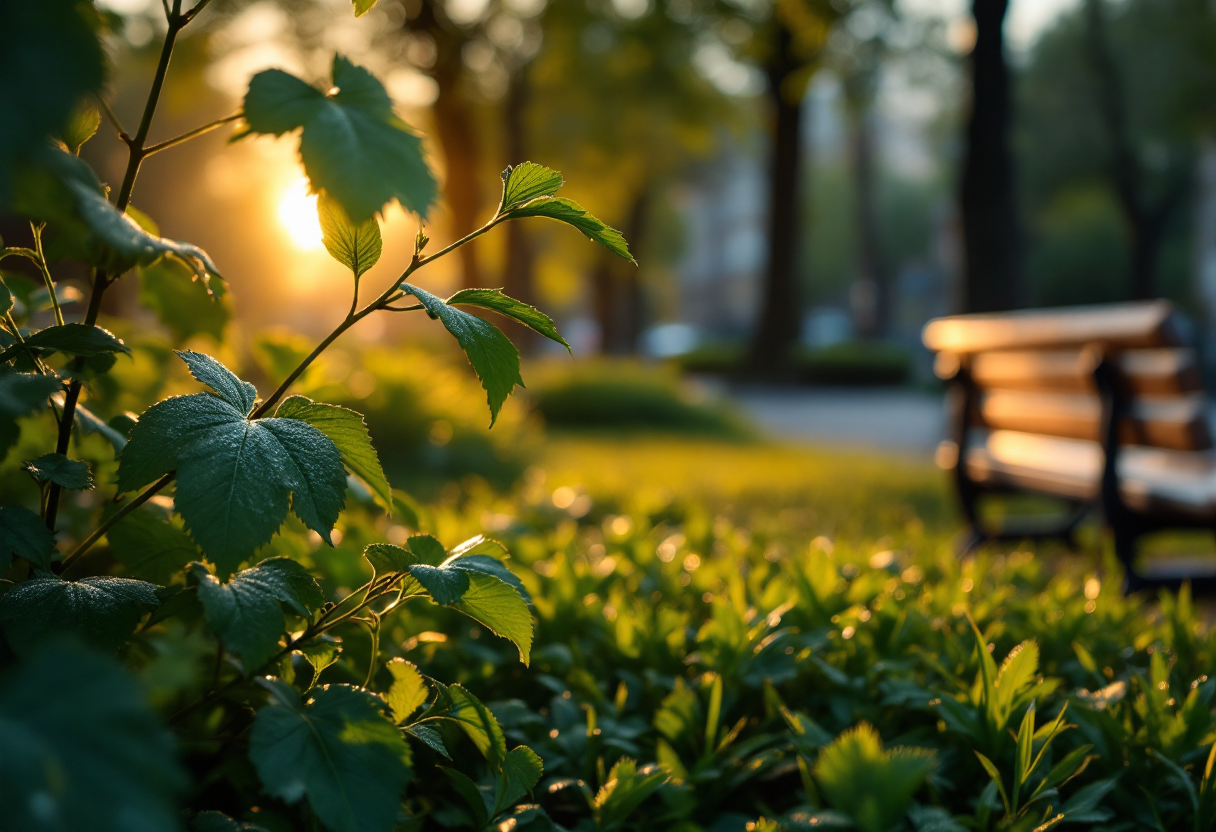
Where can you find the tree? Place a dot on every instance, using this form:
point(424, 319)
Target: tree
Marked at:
point(787, 43)
point(639, 114)
point(1114, 103)
point(986, 197)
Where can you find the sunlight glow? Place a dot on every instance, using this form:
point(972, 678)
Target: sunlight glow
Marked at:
point(298, 213)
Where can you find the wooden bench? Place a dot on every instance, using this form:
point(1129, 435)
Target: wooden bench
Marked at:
point(1101, 407)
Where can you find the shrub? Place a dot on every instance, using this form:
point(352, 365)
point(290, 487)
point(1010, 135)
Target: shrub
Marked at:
point(616, 396)
point(854, 364)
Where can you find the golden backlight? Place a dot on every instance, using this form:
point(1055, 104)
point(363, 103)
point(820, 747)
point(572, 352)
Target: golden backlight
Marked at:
point(298, 213)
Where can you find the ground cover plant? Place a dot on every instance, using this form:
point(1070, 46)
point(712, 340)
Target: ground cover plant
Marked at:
point(228, 630)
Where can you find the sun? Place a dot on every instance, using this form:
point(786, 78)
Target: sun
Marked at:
point(298, 213)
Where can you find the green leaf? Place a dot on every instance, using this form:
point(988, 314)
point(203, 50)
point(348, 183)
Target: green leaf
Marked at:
point(20, 395)
point(81, 750)
point(206, 370)
point(24, 535)
point(570, 212)
point(247, 612)
point(873, 786)
point(427, 548)
point(358, 247)
point(494, 299)
point(151, 548)
point(624, 790)
point(525, 182)
point(478, 724)
point(408, 691)
point(353, 147)
point(993, 773)
point(186, 305)
point(100, 611)
point(362, 7)
point(430, 737)
point(498, 606)
point(474, 797)
point(338, 750)
point(480, 554)
point(72, 474)
point(50, 58)
point(74, 339)
point(522, 769)
point(347, 430)
point(321, 653)
point(219, 822)
point(89, 422)
point(386, 558)
point(493, 356)
point(235, 477)
point(62, 190)
point(81, 126)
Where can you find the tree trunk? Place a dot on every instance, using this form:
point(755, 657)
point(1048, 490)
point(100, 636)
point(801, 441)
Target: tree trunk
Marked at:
point(519, 260)
point(871, 300)
point(780, 314)
point(987, 202)
point(620, 305)
point(1145, 222)
point(456, 132)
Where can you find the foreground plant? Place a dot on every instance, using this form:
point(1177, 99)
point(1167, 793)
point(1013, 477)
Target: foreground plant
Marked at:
point(78, 746)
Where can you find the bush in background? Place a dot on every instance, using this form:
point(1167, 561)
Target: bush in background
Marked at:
point(621, 396)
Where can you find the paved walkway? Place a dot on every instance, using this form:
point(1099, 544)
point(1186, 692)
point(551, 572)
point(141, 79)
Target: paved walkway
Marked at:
point(884, 418)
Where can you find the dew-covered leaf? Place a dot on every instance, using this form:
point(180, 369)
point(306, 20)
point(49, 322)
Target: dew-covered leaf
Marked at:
point(246, 613)
point(235, 478)
point(100, 611)
point(348, 432)
point(337, 750)
point(72, 474)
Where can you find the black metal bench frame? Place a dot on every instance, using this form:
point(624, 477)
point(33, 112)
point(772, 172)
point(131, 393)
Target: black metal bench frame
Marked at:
point(1126, 523)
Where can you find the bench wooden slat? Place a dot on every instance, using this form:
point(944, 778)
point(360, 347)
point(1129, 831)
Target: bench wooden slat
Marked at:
point(1175, 423)
point(1128, 325)
point(1183, 482)
point(1149, 372)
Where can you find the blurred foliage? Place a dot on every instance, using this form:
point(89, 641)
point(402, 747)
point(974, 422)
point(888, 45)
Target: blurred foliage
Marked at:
point(618, 396)
point(1113, 105)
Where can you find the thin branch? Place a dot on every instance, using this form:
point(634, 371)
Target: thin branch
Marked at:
point(100, 278)
point(105, 108)
point(413, 308)
point(193, 13)
point(46, 272)
point(185, 137)
point(88, 542)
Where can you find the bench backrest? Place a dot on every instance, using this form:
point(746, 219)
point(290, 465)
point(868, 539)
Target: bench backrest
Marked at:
point(1033, 371)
